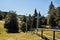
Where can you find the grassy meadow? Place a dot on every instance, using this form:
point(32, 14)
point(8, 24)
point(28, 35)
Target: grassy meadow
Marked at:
point(50, 33)
point(22, 36)
point(16, 36)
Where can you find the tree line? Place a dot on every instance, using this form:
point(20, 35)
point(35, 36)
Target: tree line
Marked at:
point(11, 21)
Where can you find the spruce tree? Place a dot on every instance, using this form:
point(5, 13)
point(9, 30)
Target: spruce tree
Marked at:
point(30, 22)
point(39, 20)
point(39, 14)
point(51, 15)
point(57, 15)
point(34, 18)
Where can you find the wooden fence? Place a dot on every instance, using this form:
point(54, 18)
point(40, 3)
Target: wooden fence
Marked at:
point(54, 31)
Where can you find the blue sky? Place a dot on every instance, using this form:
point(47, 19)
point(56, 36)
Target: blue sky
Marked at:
point(27, 6)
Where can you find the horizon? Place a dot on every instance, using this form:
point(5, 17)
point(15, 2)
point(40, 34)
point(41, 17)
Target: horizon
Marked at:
point(22, 7)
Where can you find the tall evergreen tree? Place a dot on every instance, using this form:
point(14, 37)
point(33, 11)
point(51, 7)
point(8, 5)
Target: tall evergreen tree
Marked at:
point(35, 13)
point(39, 13)
point(34, 18)
point(57, 14)
point(51, 6)
point(51, 15)
point(30, 22)
point(39, 19)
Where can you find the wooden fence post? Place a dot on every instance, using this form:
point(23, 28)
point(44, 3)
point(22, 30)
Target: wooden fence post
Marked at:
point(41, 33)
point(53, 35)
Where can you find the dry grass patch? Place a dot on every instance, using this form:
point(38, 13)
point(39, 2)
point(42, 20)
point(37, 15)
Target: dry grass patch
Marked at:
point(50, 33)
point(24, 36)
point(2, 26)
point(16, 36)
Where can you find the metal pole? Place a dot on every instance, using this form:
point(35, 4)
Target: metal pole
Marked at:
point(37, 22)
point(26, 23)
point(53, 35)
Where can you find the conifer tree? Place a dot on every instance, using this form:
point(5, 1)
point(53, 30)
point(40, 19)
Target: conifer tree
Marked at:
point(39, 19)
point(51, 15)
point(1, 17)
point(57, 15)
point(34, 18)
point(30, 22)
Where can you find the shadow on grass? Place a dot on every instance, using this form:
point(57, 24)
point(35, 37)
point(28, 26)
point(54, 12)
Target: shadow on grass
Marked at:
point(43, 37)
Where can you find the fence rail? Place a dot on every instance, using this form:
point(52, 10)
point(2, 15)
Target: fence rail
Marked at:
point(54, 31)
